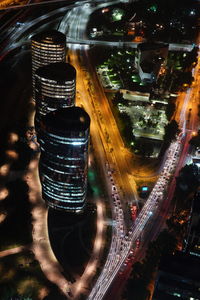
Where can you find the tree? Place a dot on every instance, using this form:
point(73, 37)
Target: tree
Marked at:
point(191, 59)
point(171, 130)
point(195, 140)
point(167, 242)
point(170, 109)
point(118, 98)
point(126, 128)
point(188, 177)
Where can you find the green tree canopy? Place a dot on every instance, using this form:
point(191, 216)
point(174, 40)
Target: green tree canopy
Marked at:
point(171, 130)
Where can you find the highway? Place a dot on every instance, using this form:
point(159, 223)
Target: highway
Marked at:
point(122, 44)
point(89, 99)
point(109, 148)
point(176, 158)
point(122, 240)
point(83, 99)
point(118, 255)
point(111, 137)
point(29, 5)
point(19, 36)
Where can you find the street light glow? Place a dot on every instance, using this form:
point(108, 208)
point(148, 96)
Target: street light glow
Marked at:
point(4, 170)
point(4, 193)
point(13, 138)
point(2, 217)
point(12, 154)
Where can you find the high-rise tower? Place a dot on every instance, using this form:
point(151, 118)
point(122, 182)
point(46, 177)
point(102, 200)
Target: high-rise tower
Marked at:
point(64, 138)
point(55, 87)
point(47, 47)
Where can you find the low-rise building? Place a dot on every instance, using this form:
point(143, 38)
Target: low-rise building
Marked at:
point(178, 278)
point(149, 59)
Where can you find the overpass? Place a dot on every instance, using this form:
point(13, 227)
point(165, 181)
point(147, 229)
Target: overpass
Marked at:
point(123, 44)
point(66, 2)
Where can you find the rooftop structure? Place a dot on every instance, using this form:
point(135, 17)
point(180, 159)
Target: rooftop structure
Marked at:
point(149, 59)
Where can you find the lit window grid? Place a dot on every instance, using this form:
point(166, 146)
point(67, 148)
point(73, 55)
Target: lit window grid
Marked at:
point(59, 176)
point(64, 196)
point(58, 140)
point(53, 89)
point(71, 137)
point(51, 95)
point(60, 207)
point(60, 186)
point(44, 54)
point(60, 168)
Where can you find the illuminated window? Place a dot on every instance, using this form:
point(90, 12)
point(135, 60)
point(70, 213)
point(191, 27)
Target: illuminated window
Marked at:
point(64, 158)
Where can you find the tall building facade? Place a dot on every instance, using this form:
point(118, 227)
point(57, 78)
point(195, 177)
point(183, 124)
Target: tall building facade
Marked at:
point(149, 59)
point(178, 278)
point(47, 47)
point(64, 139)
point(55, 87)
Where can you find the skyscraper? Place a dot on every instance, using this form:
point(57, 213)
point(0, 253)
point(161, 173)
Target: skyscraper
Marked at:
point(64, 138)
point(47, 47)
point(55, 87)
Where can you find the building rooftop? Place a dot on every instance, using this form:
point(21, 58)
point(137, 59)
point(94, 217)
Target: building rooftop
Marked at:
point(59, 71)
point(147, 66)
point(66, 119)
point(50, 36)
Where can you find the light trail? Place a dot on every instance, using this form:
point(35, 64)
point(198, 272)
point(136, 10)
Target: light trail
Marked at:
point(121, 242)
point(182, 122)
point(120, 44)
point(150, 208)
point(38, 4)
point(121, 246)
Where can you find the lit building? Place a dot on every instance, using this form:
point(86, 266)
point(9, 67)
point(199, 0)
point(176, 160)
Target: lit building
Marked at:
point(149, 59)
point(192, 238)
point(178, 278)
point(47, 47)
point(63, 166)
point(55, 87)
